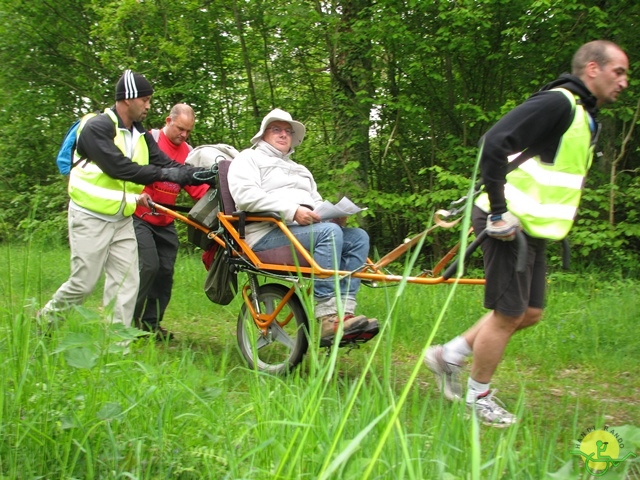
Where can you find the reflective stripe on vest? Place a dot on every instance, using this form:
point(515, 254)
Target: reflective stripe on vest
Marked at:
point(545, 197)
point(93, 189)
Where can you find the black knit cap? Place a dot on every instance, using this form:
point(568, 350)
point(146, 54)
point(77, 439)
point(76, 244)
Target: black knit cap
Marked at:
point(132, 85)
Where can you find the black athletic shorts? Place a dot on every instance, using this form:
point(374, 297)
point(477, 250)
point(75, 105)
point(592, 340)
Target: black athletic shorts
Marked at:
point(507, 291)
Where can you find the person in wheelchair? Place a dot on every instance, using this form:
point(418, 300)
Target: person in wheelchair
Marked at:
point(264, 178)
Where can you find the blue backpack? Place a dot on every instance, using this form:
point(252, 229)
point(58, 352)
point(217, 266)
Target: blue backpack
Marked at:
point(65, 154)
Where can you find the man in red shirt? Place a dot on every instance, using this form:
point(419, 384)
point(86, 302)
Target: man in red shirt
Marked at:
point(157, 238)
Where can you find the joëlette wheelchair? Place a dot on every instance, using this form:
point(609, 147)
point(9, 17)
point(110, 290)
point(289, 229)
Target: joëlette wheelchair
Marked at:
point(273, 325)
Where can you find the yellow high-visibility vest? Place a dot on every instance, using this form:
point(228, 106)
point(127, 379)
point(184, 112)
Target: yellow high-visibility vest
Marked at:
point(545, 197)
point(94, 190)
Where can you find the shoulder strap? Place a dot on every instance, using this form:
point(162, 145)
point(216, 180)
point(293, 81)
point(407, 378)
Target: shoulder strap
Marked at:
point(530, 153)
point(89, 115)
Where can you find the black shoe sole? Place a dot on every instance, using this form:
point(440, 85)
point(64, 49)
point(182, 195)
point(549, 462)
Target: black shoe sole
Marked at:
point(367, 334)
point(353, 337)
point(163, 337)
point(160, 335)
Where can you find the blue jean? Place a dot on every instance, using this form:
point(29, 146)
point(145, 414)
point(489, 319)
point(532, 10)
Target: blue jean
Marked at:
point(351, 247)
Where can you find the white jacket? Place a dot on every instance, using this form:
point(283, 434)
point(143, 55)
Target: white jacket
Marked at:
point(262, 179)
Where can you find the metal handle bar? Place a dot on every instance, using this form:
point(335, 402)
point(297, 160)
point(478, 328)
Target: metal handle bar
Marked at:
point(566, 254)
point(521, 263)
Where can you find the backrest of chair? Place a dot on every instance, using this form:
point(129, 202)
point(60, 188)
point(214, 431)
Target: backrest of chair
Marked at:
point(280, 256)
point(228, 204)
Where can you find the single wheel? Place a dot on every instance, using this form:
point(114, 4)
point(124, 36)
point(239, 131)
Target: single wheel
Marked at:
point(286, 340)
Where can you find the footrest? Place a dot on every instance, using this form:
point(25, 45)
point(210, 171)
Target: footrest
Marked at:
point(355, 338)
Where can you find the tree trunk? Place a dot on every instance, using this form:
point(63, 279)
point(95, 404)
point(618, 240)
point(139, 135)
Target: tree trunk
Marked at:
point(351, 75)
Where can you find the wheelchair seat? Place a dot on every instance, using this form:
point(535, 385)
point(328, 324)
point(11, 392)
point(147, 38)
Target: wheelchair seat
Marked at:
point(279, 256)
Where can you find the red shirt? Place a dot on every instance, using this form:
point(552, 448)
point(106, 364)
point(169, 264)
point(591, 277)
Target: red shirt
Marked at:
point(166, 193)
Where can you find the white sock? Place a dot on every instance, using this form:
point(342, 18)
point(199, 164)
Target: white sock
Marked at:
point(456, 351)
point(476, 389)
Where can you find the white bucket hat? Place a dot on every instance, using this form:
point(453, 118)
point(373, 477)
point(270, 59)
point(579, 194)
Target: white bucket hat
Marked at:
point(275, 115)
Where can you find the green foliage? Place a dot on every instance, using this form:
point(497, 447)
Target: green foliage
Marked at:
point(394, 94)
point(46, 213)
point(73, 405)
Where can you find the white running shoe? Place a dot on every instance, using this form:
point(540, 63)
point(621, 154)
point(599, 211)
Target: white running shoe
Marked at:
point(490, 411)
point(448, 374)
point(47, 322)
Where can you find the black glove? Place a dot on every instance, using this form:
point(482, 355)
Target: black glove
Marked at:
point(186, 175)
point(205, 175)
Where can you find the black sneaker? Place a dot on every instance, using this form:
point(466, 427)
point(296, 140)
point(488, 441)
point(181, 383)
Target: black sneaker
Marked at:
point(162, 334)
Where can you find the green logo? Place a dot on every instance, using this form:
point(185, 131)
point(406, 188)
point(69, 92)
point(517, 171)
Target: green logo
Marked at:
point(600, 450)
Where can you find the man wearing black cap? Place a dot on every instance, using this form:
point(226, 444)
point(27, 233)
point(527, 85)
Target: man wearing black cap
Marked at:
point(114, 159)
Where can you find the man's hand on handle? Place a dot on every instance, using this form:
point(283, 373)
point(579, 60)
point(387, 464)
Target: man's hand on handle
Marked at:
point(503, 226)
point(143, 200)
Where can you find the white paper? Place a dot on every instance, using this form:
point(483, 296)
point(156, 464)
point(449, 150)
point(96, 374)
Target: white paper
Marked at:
point(343, 208)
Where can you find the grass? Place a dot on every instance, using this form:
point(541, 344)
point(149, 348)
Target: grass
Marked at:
point(72, 406)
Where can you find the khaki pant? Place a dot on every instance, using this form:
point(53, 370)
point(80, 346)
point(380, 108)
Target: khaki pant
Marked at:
point(98, 246)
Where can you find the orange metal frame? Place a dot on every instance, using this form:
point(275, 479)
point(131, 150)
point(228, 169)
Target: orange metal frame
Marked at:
point(372, 271)
point(263, 320)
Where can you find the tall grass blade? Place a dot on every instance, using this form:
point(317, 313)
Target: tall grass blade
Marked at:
point(351, 447)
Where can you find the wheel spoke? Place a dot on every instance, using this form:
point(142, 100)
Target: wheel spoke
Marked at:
point(285, 342)
point(262, 341)
point(279, 335)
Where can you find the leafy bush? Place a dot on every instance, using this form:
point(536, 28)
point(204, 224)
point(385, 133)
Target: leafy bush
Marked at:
point(37, 214)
